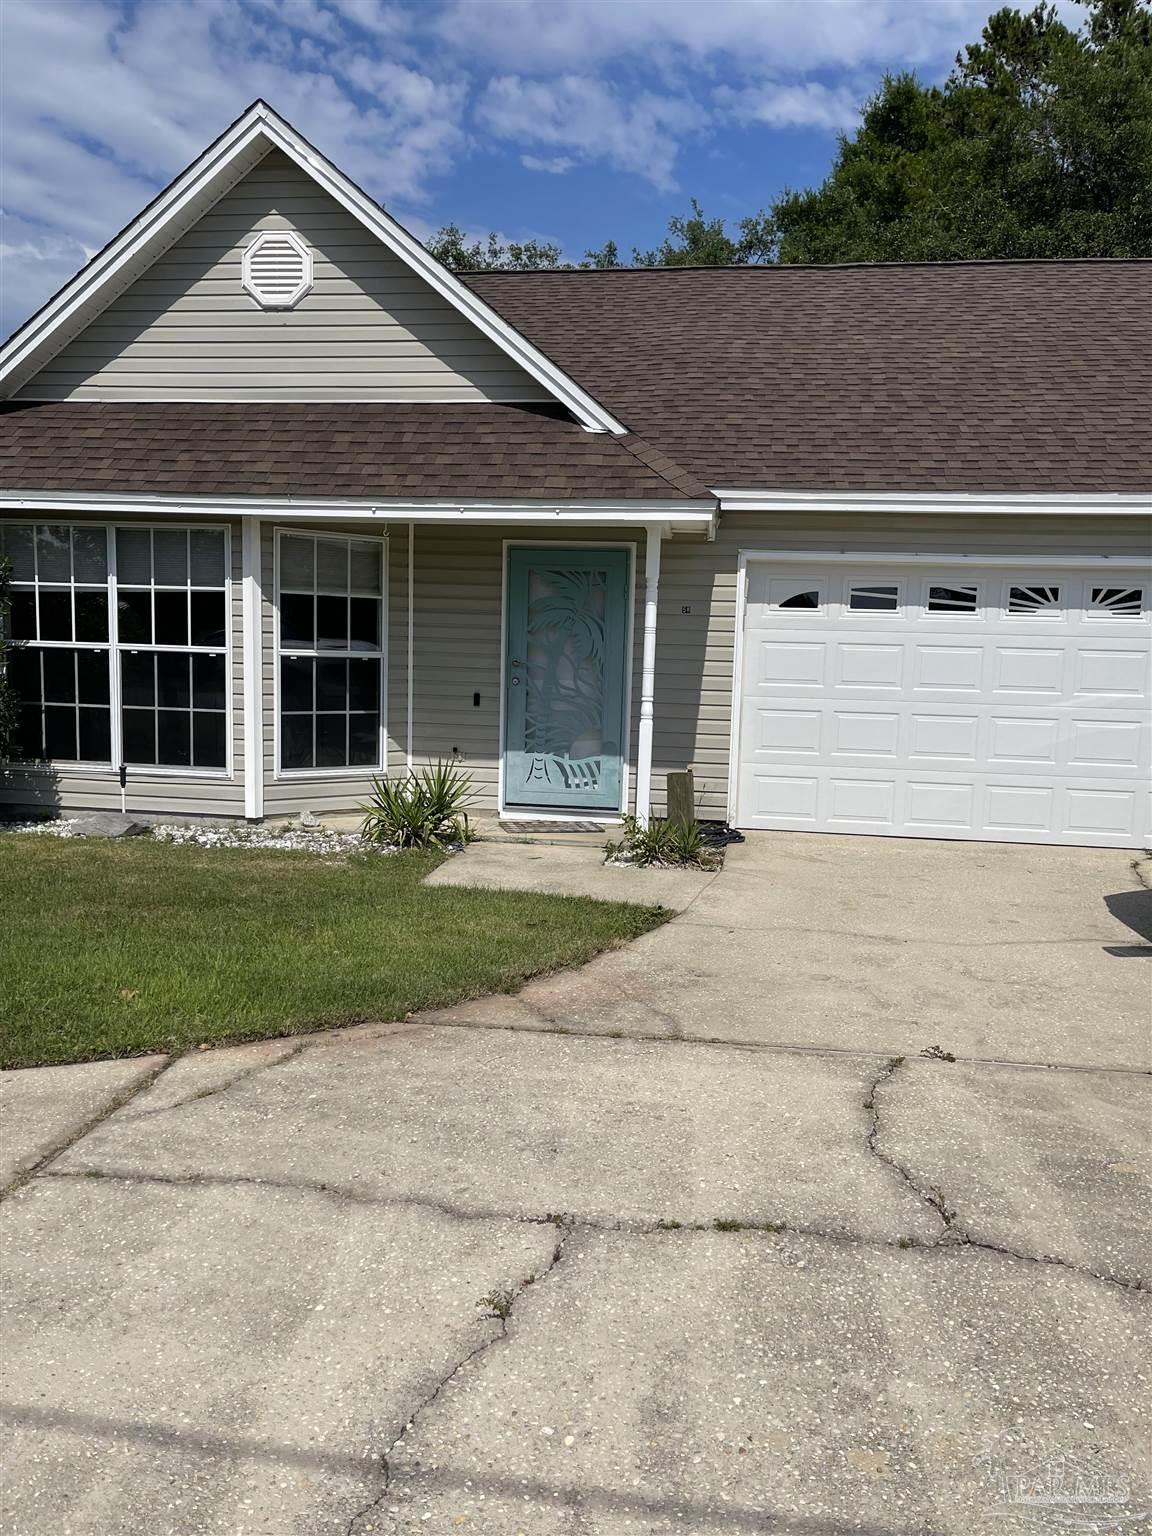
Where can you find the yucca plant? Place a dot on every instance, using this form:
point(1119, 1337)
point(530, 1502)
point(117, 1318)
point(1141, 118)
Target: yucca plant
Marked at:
point(660, 842)
point(425, 809)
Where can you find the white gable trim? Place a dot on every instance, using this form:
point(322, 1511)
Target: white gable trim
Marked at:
point(179, 206)
point(995, 503)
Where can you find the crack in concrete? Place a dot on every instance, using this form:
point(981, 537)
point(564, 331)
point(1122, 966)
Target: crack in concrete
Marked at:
point(241, 1076)
point(951, 1236)
point(787, 1047)
point(86, 1127)
point(1137, 867)
point(953, 1232)
point(500, 1316)
point(894, 938)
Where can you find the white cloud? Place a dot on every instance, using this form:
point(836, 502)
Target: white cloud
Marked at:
point(102, 106)
point(553, 165)
point(525, 34)
point(593, 119)
point(807, 104)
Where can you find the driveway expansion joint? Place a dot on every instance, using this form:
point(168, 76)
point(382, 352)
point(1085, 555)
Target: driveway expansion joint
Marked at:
point(116, 1102)
point(951, 1237)
point(783, 1047)
point(242, 1076)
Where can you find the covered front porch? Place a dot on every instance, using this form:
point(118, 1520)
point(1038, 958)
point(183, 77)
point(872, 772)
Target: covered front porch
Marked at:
point(519, 641)
point(525, 650)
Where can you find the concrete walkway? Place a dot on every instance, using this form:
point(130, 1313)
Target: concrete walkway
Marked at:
point(547, 1265)
point(578, 871)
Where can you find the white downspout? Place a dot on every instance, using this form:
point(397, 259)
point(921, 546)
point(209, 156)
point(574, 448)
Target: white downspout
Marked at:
point(411, 641)
point(251, 662)
point(648, 674)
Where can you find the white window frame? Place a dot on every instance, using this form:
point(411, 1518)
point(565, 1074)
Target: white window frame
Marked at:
point(65, 766)
point(359, 770)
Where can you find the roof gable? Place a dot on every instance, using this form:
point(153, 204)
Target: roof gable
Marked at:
point(194, 194)
point(347, 319)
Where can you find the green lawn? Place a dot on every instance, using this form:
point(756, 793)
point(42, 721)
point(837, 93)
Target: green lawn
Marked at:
point(112, 949)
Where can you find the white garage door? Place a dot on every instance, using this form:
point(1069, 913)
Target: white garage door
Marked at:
point(1007, 704)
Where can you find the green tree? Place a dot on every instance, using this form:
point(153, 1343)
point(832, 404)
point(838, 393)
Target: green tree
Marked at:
point(9, 703)
point(1039, 144)
point(450, 246)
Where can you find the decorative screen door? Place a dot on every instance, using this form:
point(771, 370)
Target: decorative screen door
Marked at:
point(564, 678)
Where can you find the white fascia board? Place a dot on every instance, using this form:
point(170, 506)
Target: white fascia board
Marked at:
point(993, 503)
point(178, 207)
point(162, 223)
point(671, 514)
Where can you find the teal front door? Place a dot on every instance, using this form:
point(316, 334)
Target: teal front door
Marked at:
point(564, 678)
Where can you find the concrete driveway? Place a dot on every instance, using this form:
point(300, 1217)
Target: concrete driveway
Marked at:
point(693, 1240)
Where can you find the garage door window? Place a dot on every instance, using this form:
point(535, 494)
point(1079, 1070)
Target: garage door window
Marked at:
point(1034, 600)
point(952, 599)
point(871, 599)
point(806, 597)
point(1116, 602)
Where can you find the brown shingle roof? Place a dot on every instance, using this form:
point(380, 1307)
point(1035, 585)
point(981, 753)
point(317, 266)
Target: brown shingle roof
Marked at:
point(355, 450)
point(984, 376)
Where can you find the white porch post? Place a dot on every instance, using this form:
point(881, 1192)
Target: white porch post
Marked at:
point(411, 662)
point(251, 662)
point(648, 674)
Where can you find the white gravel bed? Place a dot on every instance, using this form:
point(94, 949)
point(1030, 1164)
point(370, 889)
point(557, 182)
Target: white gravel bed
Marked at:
point(287, 839)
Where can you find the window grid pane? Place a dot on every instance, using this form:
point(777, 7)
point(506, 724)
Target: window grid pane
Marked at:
point(330, 633)
point(59, 667)
point(172, 611)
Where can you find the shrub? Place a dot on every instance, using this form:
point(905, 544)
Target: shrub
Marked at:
point(425, 809)
point(661, 842)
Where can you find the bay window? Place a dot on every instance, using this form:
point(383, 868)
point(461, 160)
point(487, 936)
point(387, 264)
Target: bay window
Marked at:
point(330, 602)
point(121, 644)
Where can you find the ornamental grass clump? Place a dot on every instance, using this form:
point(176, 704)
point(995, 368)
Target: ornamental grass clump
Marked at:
point(425, 809)
point(661, 842)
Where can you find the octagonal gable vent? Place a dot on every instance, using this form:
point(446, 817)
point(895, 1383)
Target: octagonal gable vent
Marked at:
point(277, 269)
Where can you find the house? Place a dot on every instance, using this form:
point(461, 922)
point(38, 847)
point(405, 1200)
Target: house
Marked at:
point(289, 505)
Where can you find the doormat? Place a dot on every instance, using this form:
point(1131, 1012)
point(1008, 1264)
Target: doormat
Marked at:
point(551, 828)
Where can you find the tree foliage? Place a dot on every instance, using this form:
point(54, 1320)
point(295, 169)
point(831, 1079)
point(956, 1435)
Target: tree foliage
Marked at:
point(1039, 144)
point(450, 246)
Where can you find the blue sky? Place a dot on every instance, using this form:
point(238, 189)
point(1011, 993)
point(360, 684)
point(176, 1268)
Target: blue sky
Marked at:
point(568, 120)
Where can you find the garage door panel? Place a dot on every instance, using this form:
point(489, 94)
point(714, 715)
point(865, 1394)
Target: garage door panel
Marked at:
point(1035, 670)
point(1029, 726)
point(789, 664)
point(949, 668)
point(1111, 673)
point(944, 735)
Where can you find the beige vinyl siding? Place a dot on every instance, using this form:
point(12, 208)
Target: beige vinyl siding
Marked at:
point(457, 645)
point(73, 791)
point(369, 329)
point(695, 652)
